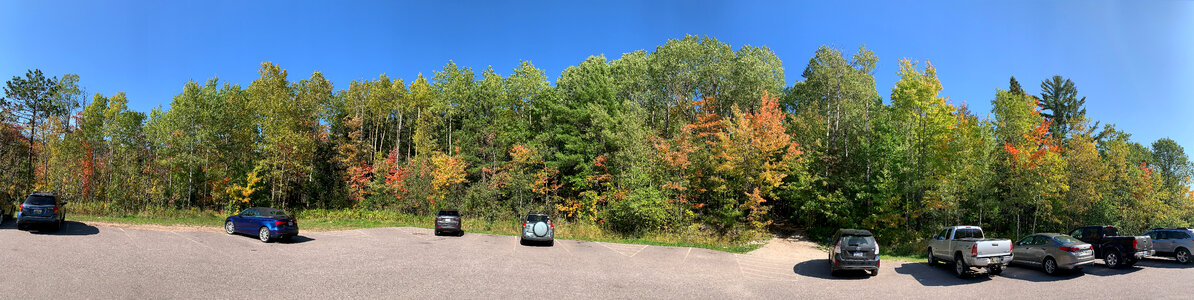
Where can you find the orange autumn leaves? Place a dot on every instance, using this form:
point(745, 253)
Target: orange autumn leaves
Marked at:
point(737, 162)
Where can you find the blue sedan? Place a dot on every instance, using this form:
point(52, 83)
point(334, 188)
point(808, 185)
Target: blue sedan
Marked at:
point(267, 223)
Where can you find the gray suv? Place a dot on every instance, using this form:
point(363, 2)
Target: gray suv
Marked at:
point(537, 227)
point(1174, 242)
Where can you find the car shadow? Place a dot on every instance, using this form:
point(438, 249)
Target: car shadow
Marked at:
point(298, 239)
point(940, 275)
point(1163, 263)
point(819, 268)
point(1035, 274)
point(69, 228)
point(1100, 269)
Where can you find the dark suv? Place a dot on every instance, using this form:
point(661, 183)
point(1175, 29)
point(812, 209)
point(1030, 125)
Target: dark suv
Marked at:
point(41, 208)
point(853, 249)
point(537, 227)
point(448, 221)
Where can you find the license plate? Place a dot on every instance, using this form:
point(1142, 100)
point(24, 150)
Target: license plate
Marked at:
point(291, 223)
point(1085, 253)
point(856, 253)
point(37, 211)
point(996, 259)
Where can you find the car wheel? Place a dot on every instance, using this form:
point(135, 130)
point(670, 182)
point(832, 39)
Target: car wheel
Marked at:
point(437, 233)
point(522, 242)
point(551, 243)
point(874, 272)
point(263, 234)
point(1182, 256)
point(1050, 266)
point(1130, 262)
point(1112, 259)
point(932, 260)
point(960, 267)
point(460, 233)
point(229, 227)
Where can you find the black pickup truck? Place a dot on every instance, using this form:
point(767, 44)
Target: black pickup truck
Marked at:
point(1116, 251)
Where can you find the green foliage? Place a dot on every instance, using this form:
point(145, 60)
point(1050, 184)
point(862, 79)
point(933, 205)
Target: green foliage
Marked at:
point(691, 143)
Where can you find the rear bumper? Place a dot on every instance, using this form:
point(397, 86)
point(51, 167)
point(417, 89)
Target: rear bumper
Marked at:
point(989, 261)
point(284, 232)
point(532, 237)
point(846, 264)
point(22, 220)
point(447, 227)
point(1141, 254)
point(1075, 263)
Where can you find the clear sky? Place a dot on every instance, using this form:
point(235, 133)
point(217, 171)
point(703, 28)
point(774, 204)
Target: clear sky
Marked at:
point(1133, 60)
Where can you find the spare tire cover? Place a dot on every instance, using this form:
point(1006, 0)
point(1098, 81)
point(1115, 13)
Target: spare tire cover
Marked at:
point(540, 229)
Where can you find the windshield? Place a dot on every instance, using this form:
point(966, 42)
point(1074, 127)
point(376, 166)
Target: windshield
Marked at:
point(536, 218)
point(1066, 240)
point(449, 213)
point(968, 233)
point(39, 200)
point(272, 212)
point(854, 240)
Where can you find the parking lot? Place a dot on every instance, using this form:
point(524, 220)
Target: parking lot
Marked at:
point(85, 261)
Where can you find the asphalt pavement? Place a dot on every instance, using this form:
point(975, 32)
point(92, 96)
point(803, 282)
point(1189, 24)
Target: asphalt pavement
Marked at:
point(98, 262)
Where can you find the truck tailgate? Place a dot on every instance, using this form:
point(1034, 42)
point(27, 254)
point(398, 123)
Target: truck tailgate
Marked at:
point(989, 248)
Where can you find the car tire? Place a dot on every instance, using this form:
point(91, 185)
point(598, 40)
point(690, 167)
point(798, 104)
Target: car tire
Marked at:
point(1050, 266)
point(460, 233)
point(263, 234)
point(960, 268)
point(1113, 259)
point(229, 227)
point(522, 242)
point(995, 270)
point(874, 272)
point(932, 260)
point(1130, 262)
point(437, 233)
point(1182, 255)
point(551, 243)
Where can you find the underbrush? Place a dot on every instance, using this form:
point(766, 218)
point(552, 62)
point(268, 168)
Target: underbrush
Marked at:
point(330, 219)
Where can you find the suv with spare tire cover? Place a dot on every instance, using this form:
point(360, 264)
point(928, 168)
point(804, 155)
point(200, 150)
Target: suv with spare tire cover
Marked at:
point(537, 227)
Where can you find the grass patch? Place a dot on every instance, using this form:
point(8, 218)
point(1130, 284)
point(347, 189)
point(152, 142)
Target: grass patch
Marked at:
point(326, 220)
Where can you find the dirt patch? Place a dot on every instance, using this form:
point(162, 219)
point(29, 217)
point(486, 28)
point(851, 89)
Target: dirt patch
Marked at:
point(177, 228)
point(794, 246)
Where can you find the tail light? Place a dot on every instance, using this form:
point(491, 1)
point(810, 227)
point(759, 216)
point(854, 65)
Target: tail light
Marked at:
point(549, 224)
point(279, 222)
point(1134, 246)
point(974, 251)
point(55, 209)
point(524, 224)
point(876, 248)
point(1069, 249)
point(22, 206)
point(837, 248)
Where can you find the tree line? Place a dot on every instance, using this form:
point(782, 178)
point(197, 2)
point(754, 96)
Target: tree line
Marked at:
point(692, 135)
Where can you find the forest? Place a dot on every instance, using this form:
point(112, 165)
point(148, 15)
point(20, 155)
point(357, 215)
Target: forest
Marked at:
point(694, 136)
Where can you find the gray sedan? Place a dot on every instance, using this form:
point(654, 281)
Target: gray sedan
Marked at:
point(1052, 252)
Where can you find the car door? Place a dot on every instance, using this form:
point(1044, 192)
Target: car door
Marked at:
point(942, 243)
point(246, 221)
point(1032, 250)
point(1163, 241)
point(1020, 251)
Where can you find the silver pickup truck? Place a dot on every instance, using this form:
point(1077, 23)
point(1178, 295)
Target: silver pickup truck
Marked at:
point(966, 247)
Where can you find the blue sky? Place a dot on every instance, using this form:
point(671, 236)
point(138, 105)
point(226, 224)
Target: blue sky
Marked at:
point(1133, 60)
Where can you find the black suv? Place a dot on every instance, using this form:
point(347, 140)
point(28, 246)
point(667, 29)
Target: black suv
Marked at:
point(41, 208)
point(853, 249)
point(448, 221)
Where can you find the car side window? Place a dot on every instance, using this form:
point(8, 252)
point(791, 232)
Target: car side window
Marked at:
point(1182, 235)
point(1041, 240)
point(944, 233)
point(1077, 233)
point(249, 213)
point(1090, 233)
point(1025, 241)
point(1164, 235)
point(1153, 235)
